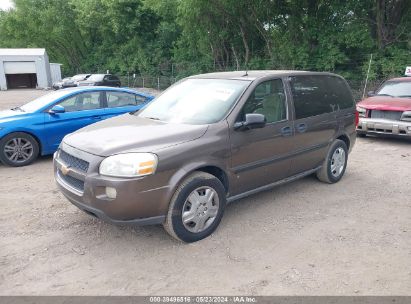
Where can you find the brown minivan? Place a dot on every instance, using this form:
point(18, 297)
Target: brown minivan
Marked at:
point(208, 140)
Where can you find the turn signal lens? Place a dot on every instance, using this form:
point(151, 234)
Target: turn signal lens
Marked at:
point(361, 111)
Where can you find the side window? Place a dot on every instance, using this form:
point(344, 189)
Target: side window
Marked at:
point(268, 99)
point(122, 99)
point(81, 102)
point(341, 92)
point(314, 95)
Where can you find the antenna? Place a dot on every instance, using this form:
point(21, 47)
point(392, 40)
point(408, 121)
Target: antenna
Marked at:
point(246, 70)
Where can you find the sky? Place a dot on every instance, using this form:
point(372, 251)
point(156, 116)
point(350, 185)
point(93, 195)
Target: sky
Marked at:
point(5, 4)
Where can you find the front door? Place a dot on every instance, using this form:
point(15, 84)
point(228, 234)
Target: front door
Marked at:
point(80, 110)
point(260, 156)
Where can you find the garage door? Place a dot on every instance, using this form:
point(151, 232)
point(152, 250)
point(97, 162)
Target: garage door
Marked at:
point(19, 67)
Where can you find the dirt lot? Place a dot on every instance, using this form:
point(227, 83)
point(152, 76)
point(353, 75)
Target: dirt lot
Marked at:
point(304, 238)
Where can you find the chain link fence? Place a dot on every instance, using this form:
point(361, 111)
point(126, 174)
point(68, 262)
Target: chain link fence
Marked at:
point(360, 90)
point(159, 83)
point(163, 82)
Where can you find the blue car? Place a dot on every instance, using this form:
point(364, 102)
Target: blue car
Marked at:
point(38, 127)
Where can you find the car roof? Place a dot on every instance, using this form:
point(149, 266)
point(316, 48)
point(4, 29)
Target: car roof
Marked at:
point(401, 79)
point(255, 74)
point(104, 88)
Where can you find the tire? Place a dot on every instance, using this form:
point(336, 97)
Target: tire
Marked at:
point(18, 149)
point(337, 154)
point(203, 216)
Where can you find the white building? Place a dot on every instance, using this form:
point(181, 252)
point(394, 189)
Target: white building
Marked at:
point(27, 68)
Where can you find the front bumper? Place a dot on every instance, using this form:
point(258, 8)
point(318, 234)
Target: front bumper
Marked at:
point(384, 127)
point(139, 201)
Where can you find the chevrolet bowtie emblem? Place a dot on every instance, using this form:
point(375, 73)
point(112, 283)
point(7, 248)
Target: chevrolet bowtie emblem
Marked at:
point(65, 169)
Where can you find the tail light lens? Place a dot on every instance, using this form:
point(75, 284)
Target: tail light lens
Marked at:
point(357, 118)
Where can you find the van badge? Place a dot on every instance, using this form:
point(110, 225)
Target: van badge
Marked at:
point(65, 169)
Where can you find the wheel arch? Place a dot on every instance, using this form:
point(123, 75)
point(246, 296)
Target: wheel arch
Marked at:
point(217, 172)
point(210, 168)
point(346, 139)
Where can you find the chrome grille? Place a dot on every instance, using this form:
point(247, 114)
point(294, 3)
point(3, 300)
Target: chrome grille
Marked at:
point(391, 115)
point(72, 181)
point(73, 162)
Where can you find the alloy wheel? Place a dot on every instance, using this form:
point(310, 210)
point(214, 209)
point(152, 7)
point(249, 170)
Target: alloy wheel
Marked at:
point(18, 150)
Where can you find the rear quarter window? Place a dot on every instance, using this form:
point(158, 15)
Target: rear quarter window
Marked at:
point(315, 95)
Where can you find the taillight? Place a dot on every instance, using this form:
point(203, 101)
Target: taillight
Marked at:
point(357, 118)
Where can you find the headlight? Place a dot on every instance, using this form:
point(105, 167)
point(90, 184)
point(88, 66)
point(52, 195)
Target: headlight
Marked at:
point(129, 165)
point(361, 111)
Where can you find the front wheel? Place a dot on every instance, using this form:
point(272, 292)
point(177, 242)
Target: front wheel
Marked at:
point(18, 149)
point(196, 208)
point(334, 165)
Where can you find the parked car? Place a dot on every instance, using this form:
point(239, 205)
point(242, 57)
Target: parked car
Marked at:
point(38, 127)
point(101, 80)
point(70, 82)
point(208, 140)
point(388, 110)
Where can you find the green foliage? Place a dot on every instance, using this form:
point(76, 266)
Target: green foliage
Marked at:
point(182, 37)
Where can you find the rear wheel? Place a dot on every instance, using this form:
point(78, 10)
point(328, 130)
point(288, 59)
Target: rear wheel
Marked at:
point(18, 149)
point(196, 208)
point(334, 165)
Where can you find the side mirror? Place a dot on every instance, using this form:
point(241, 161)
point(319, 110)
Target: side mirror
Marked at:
point(252, 121)
point(370, 93)
point(57, 109)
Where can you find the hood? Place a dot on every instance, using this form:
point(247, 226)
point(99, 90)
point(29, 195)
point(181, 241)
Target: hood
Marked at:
point(386, 103)
point(8, 115)
point(127, 133)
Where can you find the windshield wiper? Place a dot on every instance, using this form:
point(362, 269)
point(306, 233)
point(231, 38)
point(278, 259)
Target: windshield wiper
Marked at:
point(17, 109)
point(385, 95)
point(153, 118)
point(404, 95)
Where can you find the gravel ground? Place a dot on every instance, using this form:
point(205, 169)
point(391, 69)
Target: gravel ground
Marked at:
point(303, 238)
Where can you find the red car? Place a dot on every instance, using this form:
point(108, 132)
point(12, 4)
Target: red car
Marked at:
point(388, 110)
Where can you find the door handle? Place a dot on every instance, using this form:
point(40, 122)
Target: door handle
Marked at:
point(302, 127)
point(286, 131)
point(96, 117)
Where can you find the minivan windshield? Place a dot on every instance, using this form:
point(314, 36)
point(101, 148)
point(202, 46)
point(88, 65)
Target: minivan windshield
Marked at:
point(396, 89)
point(195, 101)
point(42, 101)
